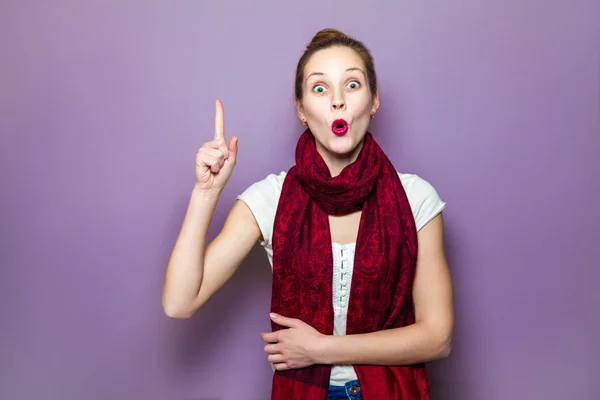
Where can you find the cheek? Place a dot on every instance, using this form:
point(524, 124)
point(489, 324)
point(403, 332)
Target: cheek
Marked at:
point(313, 108)
point(361, 105)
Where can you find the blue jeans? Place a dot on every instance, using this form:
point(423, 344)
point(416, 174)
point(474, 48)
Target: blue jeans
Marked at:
point(350, 391)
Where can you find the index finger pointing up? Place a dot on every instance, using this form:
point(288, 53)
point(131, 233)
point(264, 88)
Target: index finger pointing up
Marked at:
point(219, 134)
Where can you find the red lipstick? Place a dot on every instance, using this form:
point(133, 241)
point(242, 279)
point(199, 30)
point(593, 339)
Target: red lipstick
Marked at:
point(339, 127)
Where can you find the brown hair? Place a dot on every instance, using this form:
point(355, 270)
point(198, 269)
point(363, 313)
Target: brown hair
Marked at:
point(327, 38)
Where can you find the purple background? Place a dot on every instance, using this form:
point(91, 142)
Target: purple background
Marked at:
point(104, 104)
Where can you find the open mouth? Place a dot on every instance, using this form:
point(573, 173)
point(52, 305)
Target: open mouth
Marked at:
point(339, 127)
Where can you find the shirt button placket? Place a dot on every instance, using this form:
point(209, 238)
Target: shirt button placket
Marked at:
point(343, 275)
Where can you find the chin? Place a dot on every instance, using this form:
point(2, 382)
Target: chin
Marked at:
point(343, 145)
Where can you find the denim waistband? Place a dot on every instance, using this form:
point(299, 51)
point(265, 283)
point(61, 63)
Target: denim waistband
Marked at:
point(350, 391)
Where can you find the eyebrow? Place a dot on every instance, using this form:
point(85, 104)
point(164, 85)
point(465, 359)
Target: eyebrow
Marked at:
point(349, 69)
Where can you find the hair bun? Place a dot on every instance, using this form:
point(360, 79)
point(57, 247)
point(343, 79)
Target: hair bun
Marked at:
point(327, 34)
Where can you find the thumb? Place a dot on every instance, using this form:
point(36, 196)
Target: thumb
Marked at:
point(284, 321)
point(233, 148)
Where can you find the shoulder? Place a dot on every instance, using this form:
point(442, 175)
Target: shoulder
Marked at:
point(268, 188)
point(262, 198)
point(424, 199)
point(416, 186)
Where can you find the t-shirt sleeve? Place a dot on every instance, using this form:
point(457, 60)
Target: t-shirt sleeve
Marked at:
point(424, 200)
point(262, 198)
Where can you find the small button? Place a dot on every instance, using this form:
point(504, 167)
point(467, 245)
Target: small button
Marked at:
point(354, 390)
point(344, 255)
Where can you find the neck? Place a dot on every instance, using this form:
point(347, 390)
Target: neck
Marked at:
point(337, 162)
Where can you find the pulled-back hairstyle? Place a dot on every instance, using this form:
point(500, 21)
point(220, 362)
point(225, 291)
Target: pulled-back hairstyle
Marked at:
point(327, 38)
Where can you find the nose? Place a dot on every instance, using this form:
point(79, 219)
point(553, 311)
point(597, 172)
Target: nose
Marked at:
point(337, 101)
point(338, 104)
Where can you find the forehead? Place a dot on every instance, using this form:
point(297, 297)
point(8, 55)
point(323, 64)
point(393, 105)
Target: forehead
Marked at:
point(334, 60)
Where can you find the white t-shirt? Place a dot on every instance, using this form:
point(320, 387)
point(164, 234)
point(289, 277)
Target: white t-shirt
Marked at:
point(263, 197)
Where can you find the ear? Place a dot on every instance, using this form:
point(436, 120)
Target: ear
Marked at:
point(300, 111)
point(375, 103)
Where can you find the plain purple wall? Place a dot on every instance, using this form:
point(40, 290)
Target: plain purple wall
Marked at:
point(104, 104)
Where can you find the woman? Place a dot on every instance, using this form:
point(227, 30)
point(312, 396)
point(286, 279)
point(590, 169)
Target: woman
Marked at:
point(357, 306)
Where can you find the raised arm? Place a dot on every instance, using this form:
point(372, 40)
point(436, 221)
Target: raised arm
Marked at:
point(196, 271)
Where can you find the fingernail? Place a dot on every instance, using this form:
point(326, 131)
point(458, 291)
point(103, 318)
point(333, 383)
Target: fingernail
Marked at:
point(273, 315)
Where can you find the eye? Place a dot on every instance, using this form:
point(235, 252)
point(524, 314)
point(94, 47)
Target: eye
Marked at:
point(319, 89)
point(353, 85)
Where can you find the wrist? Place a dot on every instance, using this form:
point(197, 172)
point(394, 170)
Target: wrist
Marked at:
point(320, 349)
point(203, 194)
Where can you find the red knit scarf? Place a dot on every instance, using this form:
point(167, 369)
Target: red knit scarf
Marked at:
point(384, 265)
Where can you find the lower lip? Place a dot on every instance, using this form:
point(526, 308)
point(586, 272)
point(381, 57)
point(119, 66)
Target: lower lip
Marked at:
point(340, 131)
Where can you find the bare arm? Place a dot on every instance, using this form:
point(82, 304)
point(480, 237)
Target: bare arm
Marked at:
point(429, 337)
point(196, 271)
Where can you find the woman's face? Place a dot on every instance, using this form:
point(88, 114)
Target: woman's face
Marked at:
point(336, 88)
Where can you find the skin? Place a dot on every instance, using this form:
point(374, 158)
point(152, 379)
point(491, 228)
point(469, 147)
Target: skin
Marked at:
point(334, 87)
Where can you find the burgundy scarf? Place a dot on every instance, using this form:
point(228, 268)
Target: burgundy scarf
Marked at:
point(384, 266)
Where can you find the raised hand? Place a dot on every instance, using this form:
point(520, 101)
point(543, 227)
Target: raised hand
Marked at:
point(215, 160)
